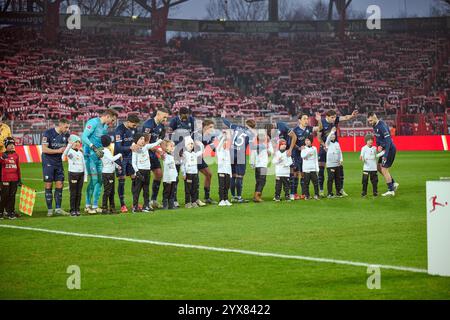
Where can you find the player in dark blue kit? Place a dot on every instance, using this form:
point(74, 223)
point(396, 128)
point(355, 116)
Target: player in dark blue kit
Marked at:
point(302, 131)
point(241, 139)
point(208, 135)
point(325, 125)
point(54, 142)
point(384, 143)
point(180, 127)
point(155, 127)
point(123, 144)
point(282, 131)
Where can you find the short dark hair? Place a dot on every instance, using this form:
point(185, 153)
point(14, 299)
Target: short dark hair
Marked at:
point(63, 120)
point(302, 114)
point(330, 113)
point(111, 113)
point(163, 109)
point(310, 138)
point(133, 118)
point(371, 114)
point(184, 110)
point(106, 140)
point(137, 136)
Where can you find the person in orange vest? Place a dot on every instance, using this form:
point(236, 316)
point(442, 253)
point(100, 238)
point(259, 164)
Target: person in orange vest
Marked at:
point(5, 132)
point(393, 131)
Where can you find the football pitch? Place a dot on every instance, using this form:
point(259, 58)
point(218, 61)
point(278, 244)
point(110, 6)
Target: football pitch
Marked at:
point(297, 250)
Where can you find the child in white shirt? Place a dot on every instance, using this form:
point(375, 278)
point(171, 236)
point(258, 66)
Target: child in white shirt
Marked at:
point(282, 171)
point(140, 160)
point(259, 160)
point(334, 164)
point(224, 167)
point(169, 176)
point(370, 158)
point(108, 176)
point(310, 167)
point(77, 173)
point(189, 170)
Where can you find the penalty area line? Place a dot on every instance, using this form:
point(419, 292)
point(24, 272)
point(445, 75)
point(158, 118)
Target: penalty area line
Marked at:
point(218, 249)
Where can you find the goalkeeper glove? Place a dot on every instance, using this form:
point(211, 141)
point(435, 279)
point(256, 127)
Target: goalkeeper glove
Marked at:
point(98, 151)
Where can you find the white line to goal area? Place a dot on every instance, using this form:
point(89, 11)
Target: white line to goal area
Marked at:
point(217, 249)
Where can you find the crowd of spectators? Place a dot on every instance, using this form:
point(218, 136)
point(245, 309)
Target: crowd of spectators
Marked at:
point(262, 76)
point(392, 74)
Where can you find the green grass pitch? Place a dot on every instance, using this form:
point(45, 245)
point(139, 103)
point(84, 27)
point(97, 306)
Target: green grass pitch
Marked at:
point(383, 231)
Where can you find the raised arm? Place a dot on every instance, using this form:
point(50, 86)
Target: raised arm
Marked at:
point(328, 141)
point(199, 153)
point(349, 116)
point(116, 157)
point(153, 145)
point(66, 152)
point(222, 139)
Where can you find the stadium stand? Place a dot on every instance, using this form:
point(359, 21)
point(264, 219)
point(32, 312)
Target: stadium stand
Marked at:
point(404, 77)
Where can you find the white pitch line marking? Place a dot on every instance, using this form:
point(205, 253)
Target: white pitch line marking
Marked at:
point(218, 249)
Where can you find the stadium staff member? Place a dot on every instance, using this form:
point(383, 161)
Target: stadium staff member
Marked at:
point(123, 144)
point(54, 143)
point(385, 143)
point(155, 127)
point(5, 132)
point(92, 147)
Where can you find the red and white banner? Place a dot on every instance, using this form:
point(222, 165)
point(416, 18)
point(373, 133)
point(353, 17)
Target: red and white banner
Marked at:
point(29, 154)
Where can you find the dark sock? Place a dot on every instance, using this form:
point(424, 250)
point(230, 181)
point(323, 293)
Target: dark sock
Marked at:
point(302, 184)
point(321, 177)
point(239, 186)
point(58, 197)
point(294, 185)
point(175, 198)
point(155, 189)
point(121, 191)
point(390, 186)
point(233, 186)
point(49, 198)
point(207, 195)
